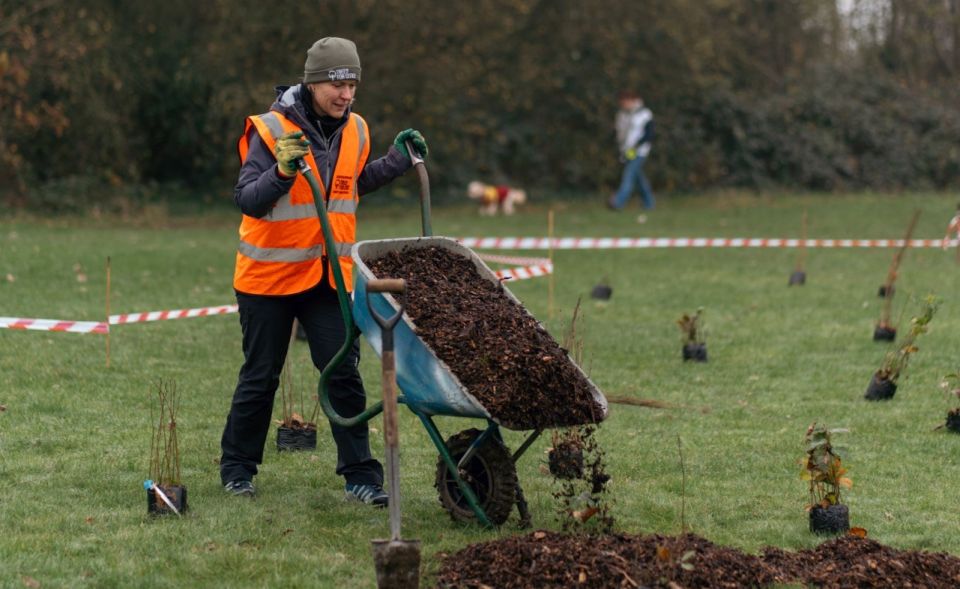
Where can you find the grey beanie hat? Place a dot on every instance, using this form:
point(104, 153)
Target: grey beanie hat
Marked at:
point(332, 59)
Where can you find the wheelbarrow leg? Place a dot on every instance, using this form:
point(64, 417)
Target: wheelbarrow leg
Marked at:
point(522, 507)
point(468, 493)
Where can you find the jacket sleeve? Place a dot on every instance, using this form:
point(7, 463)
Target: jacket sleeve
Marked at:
point(260, 184)
point(649, 132)
point(382, 171)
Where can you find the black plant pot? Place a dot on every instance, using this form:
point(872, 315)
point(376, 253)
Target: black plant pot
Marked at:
point(566, 460)
point(882, 291)
point(884, 333)
point(295, 438)
point(832, 520)
point(695, 352)
point(953, 420)
point(177, 494)
point(799, 278)
point(601, 292)
point(880, 389)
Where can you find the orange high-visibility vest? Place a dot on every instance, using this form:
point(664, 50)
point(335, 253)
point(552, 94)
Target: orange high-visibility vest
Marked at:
point(280, 253)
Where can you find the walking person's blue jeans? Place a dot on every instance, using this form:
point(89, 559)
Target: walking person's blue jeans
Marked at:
point(634, 178)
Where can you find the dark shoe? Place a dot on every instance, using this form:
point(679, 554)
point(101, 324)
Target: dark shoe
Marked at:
point(368, 494)
point(240, 488)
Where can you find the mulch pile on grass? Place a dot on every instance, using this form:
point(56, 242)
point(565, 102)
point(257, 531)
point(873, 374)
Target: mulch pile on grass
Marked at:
point(497, 350)
point(548, 559)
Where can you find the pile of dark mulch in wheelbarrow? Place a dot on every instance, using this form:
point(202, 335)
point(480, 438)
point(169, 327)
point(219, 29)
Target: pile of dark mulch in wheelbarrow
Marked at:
point(548, 559)
point(497, 350)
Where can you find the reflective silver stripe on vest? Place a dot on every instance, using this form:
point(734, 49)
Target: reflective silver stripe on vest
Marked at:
point(342, 205)
point(362, 135)
point(343, 249)
point(288, 254)
point(288, 212)
point(273, 124)
point(284, 211)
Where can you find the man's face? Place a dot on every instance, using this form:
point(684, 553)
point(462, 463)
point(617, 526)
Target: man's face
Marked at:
point(333, 98)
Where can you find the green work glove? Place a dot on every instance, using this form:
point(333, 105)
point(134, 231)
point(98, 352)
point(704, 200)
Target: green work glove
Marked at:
point(631, 154)
point(414, 137)
point(288, 150)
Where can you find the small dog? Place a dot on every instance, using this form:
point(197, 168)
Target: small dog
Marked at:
point(496, 198)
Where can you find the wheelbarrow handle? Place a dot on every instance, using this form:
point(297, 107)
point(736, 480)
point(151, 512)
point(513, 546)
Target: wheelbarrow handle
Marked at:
point(415, 157)
point(390, 285)
point(417, 161)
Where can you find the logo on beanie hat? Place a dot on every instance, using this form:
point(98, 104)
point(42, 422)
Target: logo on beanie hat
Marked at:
point(343, 73)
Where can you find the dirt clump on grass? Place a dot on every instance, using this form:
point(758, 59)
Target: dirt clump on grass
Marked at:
point(498, 351)
point(549, 559)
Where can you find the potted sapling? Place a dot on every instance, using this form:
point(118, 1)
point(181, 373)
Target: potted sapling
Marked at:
point(602, 291)
point(886, 289)
point(294, 432)
point(883, 384)
point(166, 494)
point(694, 336)
point(823, 470)
point(951, 385)
point(885, 331)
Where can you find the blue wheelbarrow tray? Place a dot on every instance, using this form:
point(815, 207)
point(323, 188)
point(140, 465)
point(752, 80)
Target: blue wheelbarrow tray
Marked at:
point(429, 386)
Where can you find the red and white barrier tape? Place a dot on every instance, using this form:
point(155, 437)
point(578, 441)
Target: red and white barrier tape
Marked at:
point(573, 243)
point(518, 260)
point(519, 273)
point(525, 272)
point(54, 325)
point(176, 314)
point(104, 327)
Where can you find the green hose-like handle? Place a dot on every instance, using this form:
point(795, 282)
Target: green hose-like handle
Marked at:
point(350, 329)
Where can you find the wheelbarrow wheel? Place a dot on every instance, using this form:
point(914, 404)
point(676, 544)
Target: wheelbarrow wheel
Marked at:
point(490, 473)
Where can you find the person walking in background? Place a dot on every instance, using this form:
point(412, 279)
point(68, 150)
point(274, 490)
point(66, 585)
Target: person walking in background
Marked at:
point(635, 130)
point(282, 271)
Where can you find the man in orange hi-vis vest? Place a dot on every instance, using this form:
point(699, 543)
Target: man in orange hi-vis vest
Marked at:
point(282, 271)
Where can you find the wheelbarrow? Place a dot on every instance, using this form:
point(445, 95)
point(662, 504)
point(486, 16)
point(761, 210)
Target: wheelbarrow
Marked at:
point(476, 473)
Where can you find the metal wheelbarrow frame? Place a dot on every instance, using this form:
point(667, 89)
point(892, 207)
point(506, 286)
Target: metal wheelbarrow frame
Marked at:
point(480, 460)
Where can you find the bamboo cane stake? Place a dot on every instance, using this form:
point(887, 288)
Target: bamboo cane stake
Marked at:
point(895, 268)
point(552, 269)
point(108, 311)
point(802, 253)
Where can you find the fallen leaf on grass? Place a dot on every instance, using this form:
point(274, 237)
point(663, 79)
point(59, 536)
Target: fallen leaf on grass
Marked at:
point(539, 535)
point(3, 408)
point(858, 532)
point(11, 278)
point(88, 520)
point(663, 553)
point(31, 582)
point(586, 514)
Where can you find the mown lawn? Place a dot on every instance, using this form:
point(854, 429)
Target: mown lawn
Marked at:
point(75, 435)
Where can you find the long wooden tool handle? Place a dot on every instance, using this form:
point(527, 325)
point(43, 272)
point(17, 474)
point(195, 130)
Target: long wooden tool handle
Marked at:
point(391, 438)
point(391, 285)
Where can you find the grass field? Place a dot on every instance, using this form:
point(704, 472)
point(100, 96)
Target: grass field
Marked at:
point(75, 435)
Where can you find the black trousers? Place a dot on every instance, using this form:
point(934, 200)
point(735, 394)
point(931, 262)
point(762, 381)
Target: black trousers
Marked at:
point(267, 322)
